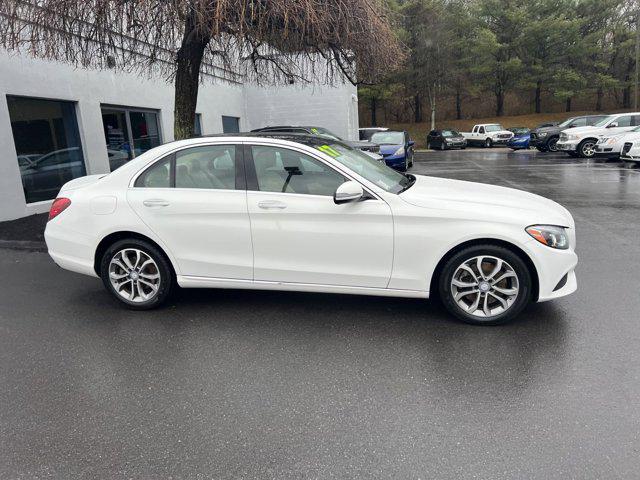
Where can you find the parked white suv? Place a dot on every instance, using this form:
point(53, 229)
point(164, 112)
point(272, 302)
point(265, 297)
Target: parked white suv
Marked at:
point(581, 141)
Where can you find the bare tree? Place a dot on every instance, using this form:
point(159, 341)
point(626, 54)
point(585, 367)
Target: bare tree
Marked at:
point(267, 41)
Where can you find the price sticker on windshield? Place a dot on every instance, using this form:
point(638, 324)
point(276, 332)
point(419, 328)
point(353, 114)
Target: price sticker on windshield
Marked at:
point(332, 152)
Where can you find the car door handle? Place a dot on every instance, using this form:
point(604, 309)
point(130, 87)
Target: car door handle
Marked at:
point(156, 202)
point(272, 205)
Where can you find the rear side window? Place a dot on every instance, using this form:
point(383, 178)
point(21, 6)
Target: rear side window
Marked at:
point(156, 176)
point(210, 167)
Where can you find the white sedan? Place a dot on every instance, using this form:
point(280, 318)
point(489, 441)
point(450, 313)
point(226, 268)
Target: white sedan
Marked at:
point(309, 214)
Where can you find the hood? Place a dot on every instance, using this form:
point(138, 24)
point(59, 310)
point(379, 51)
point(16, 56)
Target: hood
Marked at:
point(522, 136)
point(389, 149)
point(548, 130)
point(584, 131)
point(480, 201)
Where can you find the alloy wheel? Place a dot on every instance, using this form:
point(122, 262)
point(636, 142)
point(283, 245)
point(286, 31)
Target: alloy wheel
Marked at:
point(588, 149)
point(134, 275)
point(484, 286)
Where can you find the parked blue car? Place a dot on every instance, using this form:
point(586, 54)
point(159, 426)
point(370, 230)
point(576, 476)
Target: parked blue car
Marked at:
point(520, 139)
point(396, 148)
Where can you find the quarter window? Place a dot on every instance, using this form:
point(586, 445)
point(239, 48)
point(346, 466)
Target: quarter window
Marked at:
point(287, 171)
point(157, 176)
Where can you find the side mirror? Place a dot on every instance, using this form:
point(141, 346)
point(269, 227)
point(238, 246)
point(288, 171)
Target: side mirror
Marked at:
point(348, 192)
point(411, 143)
point(612, 125)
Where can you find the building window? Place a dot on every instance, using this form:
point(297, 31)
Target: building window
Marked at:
point(128, 133)
point(197, 125)
point(47, 140)
point(230, 124)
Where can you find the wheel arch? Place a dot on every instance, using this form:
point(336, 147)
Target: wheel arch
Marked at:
point(110, 239)
point(535, 280)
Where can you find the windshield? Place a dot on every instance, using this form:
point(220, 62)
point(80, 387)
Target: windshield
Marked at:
point(450, 133)
point(567, 122)
point(388, 138)
point(604, 121)
point(493, 128)
point(323, 132)
point(365, 166)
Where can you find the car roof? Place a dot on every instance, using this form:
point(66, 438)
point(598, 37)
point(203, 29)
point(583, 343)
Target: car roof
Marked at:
point(304, 138)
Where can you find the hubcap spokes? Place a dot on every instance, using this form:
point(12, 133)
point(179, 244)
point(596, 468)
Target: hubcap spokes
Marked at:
point(589, 149)
point(485, 286)
point(134, 275)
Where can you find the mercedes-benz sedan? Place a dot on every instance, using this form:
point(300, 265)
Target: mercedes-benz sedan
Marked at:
point(309, 214)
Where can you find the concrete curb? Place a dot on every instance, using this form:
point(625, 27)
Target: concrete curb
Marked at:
point(25, 245)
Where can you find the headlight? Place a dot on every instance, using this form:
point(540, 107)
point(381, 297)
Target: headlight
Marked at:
point(572, 137)
point(542, 134)
point(550, 235)
point(399, 151)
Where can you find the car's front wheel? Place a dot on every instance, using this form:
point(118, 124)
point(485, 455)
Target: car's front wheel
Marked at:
point(487, 143)
point(552, 144)
point(137, 274)
point(587, 149)
point(485, 285)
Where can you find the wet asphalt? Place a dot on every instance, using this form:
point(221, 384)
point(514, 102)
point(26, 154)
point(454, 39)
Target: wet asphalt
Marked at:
point(239, 384)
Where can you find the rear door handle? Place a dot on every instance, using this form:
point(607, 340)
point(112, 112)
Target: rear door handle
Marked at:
point(272, 205)
point(156, 202)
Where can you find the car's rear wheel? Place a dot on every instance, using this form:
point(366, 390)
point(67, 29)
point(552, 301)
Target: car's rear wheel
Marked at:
point(137, 274)
point(485, 285)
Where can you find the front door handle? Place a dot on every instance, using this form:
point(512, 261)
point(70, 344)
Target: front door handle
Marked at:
point(156, 202)
point(272, 205)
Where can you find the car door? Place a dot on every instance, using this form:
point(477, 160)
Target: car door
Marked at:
point(195, 202)
point(300, 235)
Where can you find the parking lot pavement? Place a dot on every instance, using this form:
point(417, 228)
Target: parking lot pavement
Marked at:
point(239, 384)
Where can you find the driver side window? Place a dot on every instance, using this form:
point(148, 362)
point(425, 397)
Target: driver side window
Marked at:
point(287, 171)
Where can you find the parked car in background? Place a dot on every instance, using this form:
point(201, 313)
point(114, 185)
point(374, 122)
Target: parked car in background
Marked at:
point(546, 138)
point(610, 146)
point(520, 139)
point(547, 124)
point(396, 148)
point(365, 146)
point(581, 141)
point(314, 215)
point(46, 173)
point(487, 135)
point(630, 152)
point(445, 139)
point(365, 133)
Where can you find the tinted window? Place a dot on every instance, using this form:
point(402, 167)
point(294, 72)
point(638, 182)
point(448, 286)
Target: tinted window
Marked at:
point(481, 130)
point(156, 176)
point(288, 171)
point(579, 122)
point(47, 141)
point(230, 124)
point(210, 166)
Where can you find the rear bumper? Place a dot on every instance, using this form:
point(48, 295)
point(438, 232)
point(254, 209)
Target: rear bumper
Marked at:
point(70, 250)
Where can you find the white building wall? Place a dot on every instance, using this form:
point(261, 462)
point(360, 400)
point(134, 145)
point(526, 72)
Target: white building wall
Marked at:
point(334, 108)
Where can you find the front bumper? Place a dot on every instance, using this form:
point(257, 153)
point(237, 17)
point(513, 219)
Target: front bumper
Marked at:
point(455, 144)
point(603, 151)
point(395, 161)
point(556, 270)
point(567, 145)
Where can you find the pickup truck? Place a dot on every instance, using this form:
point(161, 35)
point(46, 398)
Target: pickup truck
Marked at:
point(487, 135)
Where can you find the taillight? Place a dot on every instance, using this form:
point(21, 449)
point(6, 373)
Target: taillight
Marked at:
point(58, 206)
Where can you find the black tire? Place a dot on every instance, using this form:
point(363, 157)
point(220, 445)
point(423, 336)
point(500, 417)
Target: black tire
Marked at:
point(586, 149)
point(429, 147)
point(488, 143)
point(443, 146)
point(522, 299)
point(164, 269)
point(552, 144)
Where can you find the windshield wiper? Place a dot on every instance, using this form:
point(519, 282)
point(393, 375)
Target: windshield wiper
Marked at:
point(411, 180)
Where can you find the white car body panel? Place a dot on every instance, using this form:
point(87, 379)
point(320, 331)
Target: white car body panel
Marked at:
point(388, 245)
point(571, 138)
point(479, 135)
point(614, 143)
